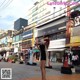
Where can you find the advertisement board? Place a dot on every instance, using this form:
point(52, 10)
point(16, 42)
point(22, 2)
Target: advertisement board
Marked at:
point(75, 35)
point(75, 39)
point(75, 31)
point(57, 45)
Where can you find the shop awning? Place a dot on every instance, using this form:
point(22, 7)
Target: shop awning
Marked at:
point(55, 49)
point(5, 49)
point(57, 45)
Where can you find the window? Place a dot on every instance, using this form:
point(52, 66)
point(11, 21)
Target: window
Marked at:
point(53, 37)
point(35, 9)
point(61, 35)
point(14, 39)
point(17, 38)
point(34, 14)
point(28, 34)
point(20, 36)
point(77, 8)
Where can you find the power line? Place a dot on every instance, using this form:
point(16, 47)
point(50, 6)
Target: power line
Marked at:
point(7, 4)
point(10, 1)
point(2, 3)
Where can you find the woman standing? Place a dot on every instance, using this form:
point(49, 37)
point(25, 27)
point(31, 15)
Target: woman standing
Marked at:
point(41, 46)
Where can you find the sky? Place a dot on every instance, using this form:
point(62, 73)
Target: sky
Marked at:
point(11, 10)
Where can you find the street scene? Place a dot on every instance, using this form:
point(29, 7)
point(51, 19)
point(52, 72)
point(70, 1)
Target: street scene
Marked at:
point(40, 40)
point(26, 72)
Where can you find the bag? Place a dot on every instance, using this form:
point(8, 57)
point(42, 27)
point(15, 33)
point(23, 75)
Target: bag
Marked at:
point(73, 70)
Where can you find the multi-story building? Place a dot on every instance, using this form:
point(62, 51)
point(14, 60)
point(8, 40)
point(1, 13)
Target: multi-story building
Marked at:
point(43, 11)
point(6, 40)
point(1, 31)
point(28, 36)
point(55, 27)
point(43, 8)
point(73, 29)
point(20, 23)
point(24, 38)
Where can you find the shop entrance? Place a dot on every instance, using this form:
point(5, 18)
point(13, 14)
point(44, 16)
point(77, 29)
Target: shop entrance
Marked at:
point(76, 52)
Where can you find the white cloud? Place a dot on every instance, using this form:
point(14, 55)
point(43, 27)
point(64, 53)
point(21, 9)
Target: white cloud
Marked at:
point(17, 9)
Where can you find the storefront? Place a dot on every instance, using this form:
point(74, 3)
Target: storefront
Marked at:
point(56, 47)
point(27, 39)
point(74, 34)
point(17, 41)
point(55, 30)
point(26, 44)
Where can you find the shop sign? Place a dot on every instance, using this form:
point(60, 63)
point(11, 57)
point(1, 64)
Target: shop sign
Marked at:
point(75, 31)
point(75, 39)
point(15, 50)
point(57, 44)
point(27, 34)
point(75, 35)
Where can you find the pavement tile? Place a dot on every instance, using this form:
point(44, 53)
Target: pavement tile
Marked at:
point(60, 77)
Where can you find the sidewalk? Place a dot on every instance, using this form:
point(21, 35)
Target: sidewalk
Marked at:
point(58, 77)
point(55, 65)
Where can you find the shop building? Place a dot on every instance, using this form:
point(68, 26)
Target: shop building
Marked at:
point(20, 23)
point(28, 37)
point(19, 26)
point(42, 9)
point(74, 34)
point(56, 30)
point(6, 40)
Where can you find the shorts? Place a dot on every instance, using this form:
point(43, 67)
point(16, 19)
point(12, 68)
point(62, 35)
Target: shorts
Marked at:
point(43, 56)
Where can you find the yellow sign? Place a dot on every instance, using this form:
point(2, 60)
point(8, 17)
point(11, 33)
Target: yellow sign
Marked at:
point(75, 39)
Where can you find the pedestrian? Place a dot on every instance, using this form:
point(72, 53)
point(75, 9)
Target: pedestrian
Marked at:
point(48, 53)
point(31, 56)
point(41, 46)
point(36, 52)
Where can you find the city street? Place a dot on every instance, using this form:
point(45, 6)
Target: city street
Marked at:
point(34, 30)
point(26, 72)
